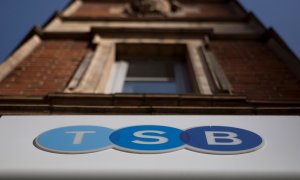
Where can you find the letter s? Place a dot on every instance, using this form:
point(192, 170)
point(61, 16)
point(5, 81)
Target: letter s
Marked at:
point(142, 134)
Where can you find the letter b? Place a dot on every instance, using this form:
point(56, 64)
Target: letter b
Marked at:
point(221, 140)
point(218, 138)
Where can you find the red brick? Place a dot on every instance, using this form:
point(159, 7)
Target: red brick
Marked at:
point(210, 10)
point(254, 71)
point(47, 69)
point(94, 9)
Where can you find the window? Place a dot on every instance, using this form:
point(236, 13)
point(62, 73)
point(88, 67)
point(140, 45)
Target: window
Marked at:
point(156, 76)
point(149, 69)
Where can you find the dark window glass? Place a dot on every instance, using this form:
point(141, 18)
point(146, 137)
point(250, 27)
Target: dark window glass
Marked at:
point(156, 76)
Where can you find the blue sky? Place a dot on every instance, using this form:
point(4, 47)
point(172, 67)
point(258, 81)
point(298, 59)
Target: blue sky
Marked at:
point(282, 15)
point(17, 18)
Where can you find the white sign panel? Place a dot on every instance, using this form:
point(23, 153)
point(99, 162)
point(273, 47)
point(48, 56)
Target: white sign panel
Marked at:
point(149, 147)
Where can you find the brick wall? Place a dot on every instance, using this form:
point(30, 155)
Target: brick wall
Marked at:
point(94, 9)
point(48, 69)
point(208, 10)
point(255, 71)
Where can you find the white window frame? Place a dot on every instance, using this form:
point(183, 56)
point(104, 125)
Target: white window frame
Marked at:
point(117, 77)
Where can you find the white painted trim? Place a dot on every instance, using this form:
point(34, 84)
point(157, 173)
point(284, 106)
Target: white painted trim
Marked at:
point(79, 73)
point(218, 75)
point(198, 68)
point(117, 77)
point(72, 8)
point(111, 80)
point(92, 77)
point(56, 24)
point(109, 62)
point(16, 58)
point(79, 26)
point(97, 39)
point(120, 76)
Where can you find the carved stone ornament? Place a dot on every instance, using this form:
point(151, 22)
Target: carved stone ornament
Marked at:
point(142, 8)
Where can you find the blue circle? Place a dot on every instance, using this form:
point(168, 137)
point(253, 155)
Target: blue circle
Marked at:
point(221, 140)
point(75, 139)
point(147, 139)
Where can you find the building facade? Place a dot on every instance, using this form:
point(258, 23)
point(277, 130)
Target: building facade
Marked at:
point(150, 89)
point(151, 57)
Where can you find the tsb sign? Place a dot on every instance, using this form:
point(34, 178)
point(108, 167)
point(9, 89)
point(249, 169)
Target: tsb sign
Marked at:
point(149, 139)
